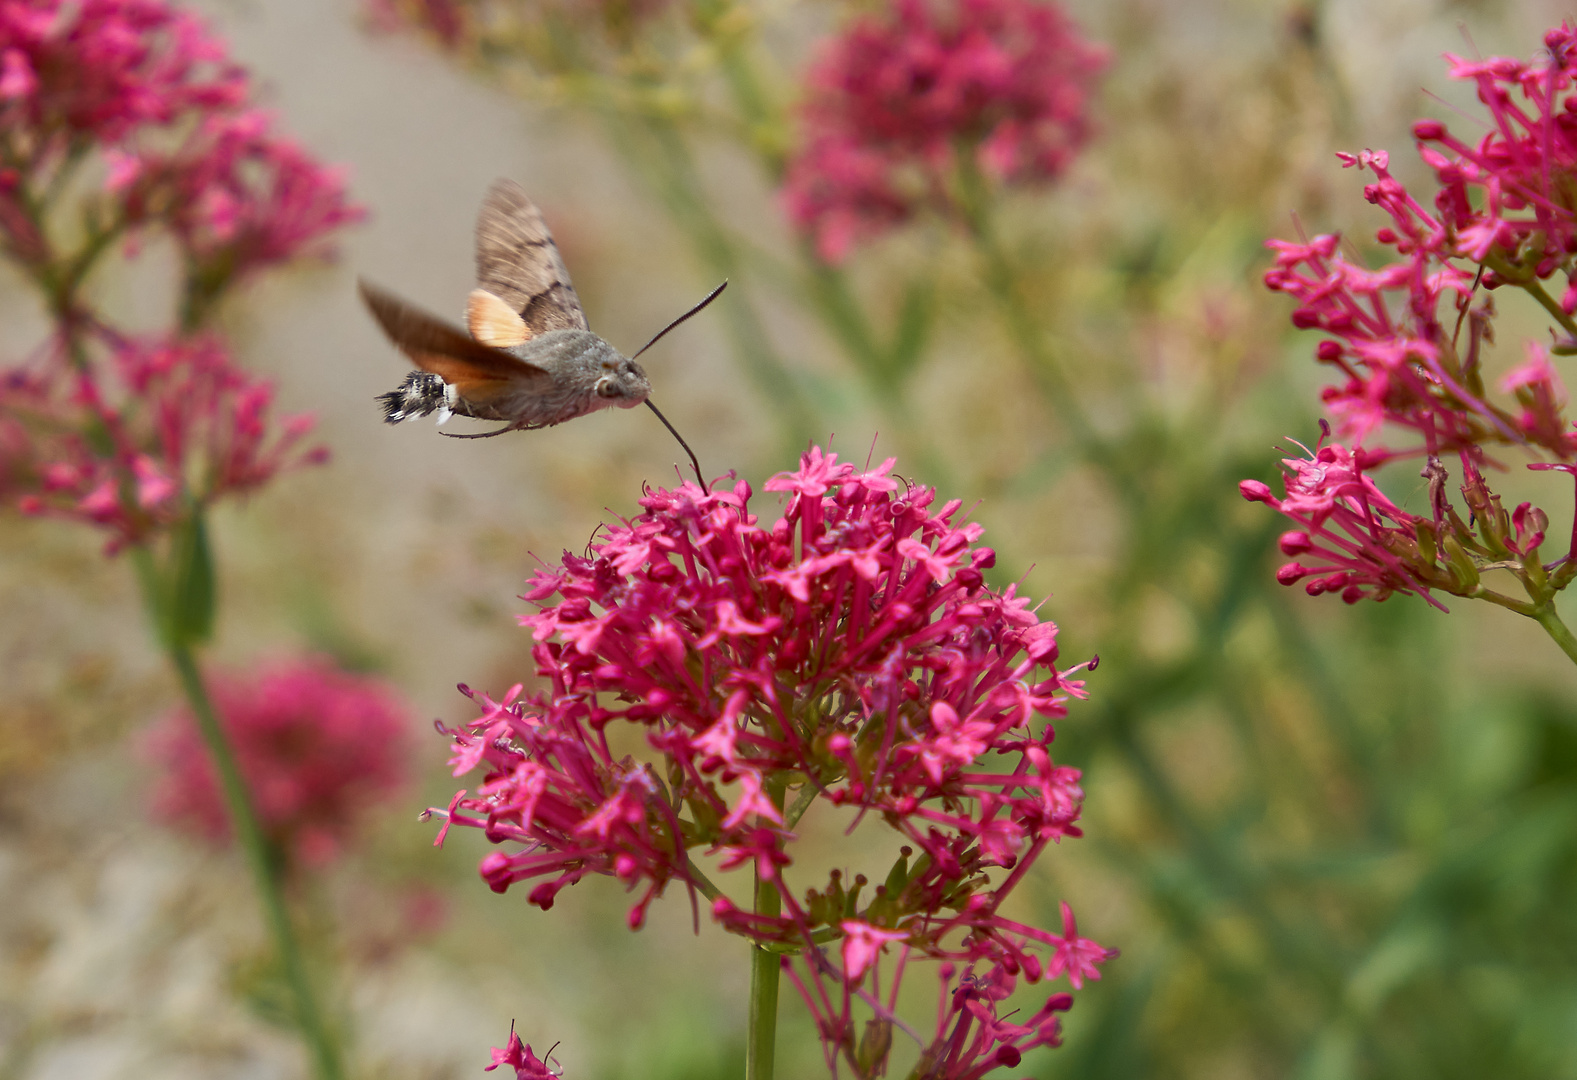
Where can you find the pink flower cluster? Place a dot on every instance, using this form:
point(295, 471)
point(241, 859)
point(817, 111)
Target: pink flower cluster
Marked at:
point(167, 424)
point(895, 100)
point(1409, 340)
point(850, 651)
point(136, 433)
point(141, 83)
point(317, 746)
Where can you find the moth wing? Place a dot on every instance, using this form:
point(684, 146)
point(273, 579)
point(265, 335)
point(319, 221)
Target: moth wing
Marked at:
point(517, 260)
point(433, 345)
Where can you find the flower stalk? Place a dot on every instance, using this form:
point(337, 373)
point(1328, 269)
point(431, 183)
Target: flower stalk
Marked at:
point(266, 863)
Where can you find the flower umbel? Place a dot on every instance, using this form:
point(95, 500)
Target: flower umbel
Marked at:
point(850, 651)
point(132, 447)
point(898, 102)
point(1411, 340)
point(317, 747)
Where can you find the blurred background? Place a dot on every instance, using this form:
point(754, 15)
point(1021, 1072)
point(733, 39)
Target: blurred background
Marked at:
point(1330, 841)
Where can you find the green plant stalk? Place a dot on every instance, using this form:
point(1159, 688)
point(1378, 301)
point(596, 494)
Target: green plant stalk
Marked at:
point(249, 834)
point(1559, 632)
point(766, 968)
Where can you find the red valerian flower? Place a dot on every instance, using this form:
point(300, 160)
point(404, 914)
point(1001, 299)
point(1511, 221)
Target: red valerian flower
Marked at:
point(1408, 340)
point(128, 446)
point(518, 1056)
point(316, 745)
point(894, 100)
point(849, 651)
point(142, 85)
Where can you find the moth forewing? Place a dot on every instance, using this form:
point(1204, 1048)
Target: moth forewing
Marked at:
point(517, 261)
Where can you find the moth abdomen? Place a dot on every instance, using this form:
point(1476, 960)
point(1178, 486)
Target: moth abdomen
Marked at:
point(421, 394)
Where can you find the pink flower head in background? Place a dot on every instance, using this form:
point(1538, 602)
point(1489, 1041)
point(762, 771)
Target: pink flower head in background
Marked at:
point(894, 100)
point(167, 112)
point(318, 748)
point(850, 650)
point(126, 448)
point(104, 69)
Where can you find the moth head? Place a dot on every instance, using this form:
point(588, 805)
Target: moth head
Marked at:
point(622, 383)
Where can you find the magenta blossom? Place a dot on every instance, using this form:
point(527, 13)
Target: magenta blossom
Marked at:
point(106, 68)
point(518, 1056)
point(850, 651)
point(130, 447)
point(1408, 340)
point(317, 746)
point(165, 112)
point(895, 100)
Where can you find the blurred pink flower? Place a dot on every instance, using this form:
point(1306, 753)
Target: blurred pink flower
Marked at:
point(125, 446)
point(319, 747)
point(851, 649)
point(237, 197)
point(895, 99)
point(105, 68)
point(445, 20)
point(141, 83)
point(518, 1056)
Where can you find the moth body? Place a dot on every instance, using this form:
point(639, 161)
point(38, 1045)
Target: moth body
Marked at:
point(586, 372)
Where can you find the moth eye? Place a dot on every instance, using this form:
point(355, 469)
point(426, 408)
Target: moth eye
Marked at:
point(607, 388)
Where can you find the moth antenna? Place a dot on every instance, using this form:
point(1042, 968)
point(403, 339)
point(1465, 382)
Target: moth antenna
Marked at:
point(709, 298)
point(694, 464)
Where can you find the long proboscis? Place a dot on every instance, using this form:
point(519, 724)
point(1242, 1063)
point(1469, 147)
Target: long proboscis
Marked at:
point(713, 295)
point(694, 464)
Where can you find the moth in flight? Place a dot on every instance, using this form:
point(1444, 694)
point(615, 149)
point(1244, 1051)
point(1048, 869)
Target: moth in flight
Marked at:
point(530, 360)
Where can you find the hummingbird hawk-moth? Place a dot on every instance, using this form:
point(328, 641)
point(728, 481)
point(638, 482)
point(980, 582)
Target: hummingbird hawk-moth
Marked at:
point(530, 360)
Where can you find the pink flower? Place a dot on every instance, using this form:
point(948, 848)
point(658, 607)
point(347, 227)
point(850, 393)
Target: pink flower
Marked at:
point(107, 68)
point(518, 1056)
point(1363, 544)
point(848, 651)
point(317, 746)
point(893, 101)
point(1078, 956)
point(861, 944)
point(971, 1040)
point(1407, 340)
point(176, 419)
point(143, 84)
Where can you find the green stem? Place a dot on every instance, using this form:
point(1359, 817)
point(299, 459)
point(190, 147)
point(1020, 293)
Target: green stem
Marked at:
point(1557, 630)
point(766, 967)
point(1002, 281)
point(249, 834)
point(1550, 304)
